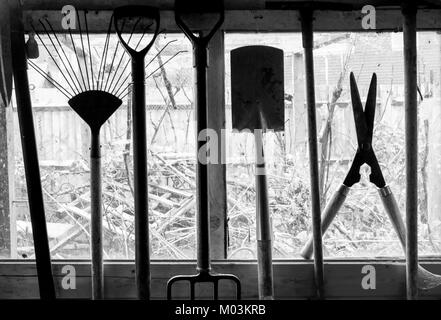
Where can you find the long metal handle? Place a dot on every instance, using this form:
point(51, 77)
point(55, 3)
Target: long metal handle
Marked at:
point(142, 241)
point(200, 59)
point(307, 37)
point(329, 214)
point(263, 227)
point(96, 218)
point(30, 155)
point(202, 214)
point(409, 10)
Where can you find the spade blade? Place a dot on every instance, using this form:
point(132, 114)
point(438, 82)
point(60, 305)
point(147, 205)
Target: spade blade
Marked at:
point(257, 88)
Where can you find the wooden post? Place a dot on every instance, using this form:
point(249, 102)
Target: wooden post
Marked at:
point(307, 35)
point(411, 126)
point(217, 172)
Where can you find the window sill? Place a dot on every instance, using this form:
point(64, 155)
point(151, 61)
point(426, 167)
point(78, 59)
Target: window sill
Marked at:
point(293, 279)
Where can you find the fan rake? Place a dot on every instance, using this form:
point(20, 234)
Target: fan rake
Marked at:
point(94, 91)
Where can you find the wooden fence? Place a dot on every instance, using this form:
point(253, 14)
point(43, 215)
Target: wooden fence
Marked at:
point(62, 137)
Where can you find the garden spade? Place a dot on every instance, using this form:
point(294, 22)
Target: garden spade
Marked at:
point(258, 104)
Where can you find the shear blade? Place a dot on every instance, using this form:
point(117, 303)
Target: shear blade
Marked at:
point(369, 110)
point(359, 117)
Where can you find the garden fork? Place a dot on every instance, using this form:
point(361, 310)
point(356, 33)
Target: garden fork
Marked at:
point(200, 56)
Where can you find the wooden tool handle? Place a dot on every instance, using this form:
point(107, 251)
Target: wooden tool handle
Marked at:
point(328, 215)
point(96, 221)
point(263, 224)
point(393, 211)
point(30, 154)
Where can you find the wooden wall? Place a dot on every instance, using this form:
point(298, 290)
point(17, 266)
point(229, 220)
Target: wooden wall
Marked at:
point(293, 280)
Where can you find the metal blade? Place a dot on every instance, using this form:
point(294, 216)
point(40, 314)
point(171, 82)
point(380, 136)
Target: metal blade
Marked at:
point(369, 110)
point(353, 175)
point(359, 117)
point(257, 86)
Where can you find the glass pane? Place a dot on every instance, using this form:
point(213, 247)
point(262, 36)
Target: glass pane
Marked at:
point(63, 141)
point(362, 227)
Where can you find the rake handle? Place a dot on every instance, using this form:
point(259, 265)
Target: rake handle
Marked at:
point(328, 215)
point(96, 217)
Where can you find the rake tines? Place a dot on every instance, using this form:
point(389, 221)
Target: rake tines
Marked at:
point(204, 277)
point(82, 67)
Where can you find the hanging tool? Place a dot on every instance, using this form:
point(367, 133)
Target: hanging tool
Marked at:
point(30, 155)
point(144, 16)
point(90, 100)
point(95, 108)
point(94, 91)
point(200, 57)
point(364, 123)
point(409, 11)
point(306, 17)
point(257, 104)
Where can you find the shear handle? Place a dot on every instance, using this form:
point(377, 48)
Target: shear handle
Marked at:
point(328, 215)
point(392, 210)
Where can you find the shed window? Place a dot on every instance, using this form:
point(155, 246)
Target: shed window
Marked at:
point(361, 229)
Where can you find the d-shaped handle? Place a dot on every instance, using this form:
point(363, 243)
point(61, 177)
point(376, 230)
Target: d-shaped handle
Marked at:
point(182, 6)
point(124, 12)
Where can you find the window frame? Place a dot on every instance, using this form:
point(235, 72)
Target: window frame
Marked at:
point(293, 278)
